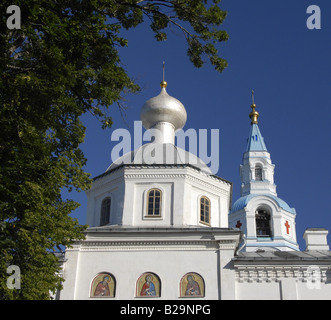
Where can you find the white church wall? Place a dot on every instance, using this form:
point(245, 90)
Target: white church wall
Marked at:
point(288, 226)
point(283, 289)
point(193, 217)
point(181, 190)
point(128, 266)
point(283, 281)
point(70, 275)
point(257, 291)
point(169, 254)
point(218, 194)
point(314, 290)
point(112, 186)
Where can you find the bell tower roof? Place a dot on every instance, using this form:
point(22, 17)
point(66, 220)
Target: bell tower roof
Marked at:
point(255, 140)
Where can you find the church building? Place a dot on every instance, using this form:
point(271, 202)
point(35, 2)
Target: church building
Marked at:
point(163, 226)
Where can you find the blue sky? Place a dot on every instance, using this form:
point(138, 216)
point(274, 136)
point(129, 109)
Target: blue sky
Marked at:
point(270, 50)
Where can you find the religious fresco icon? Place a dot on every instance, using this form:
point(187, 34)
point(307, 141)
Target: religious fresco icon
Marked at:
point(192, 285)
point(148, 285)
point(103, 285)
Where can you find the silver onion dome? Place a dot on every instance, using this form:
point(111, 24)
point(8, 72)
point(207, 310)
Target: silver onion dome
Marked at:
point(163, 108)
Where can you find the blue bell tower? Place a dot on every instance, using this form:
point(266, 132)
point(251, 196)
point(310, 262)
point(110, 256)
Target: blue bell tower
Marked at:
point(267, 221)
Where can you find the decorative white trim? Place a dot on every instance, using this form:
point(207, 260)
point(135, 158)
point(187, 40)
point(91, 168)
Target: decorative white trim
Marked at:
point(153, 176)
point(208, 185)
point(275, 273)
point(96, 245)
point(172, 176)
point(109, 184)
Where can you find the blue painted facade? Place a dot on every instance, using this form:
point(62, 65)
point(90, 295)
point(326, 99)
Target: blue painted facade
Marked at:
point(242, 202)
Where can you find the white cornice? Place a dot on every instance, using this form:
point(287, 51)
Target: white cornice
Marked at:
point(214, 184)
point(154, 245)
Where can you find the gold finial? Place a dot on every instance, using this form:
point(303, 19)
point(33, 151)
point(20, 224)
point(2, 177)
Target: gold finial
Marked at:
point(254, 114)
point(163, 83)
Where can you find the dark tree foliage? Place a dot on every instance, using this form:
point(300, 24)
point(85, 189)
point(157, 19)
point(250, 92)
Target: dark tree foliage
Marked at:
point(62, 63)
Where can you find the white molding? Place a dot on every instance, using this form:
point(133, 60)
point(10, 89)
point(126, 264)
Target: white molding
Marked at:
point(272, 273)
point(154, 245)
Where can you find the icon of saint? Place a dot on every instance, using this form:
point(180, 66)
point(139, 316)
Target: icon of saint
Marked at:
point(148, 289)
point(102, 289)
point(192, 287)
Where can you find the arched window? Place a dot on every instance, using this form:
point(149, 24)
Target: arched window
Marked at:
point(105, 212)
point(263, 227)
point(205, 210)
point(154, 198)
point(103, 285)
point(258, 173)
